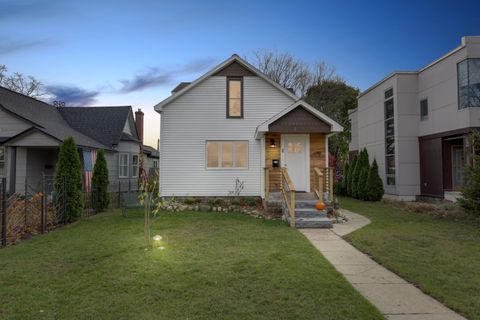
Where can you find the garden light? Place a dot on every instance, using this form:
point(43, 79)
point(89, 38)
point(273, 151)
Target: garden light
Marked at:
point(157, 237)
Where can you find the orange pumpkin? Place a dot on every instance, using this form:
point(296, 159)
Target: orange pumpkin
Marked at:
point(320, 205)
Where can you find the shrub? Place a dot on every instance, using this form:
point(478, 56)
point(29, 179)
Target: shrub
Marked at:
point(374, 189)
point(362, 162)
point(337, 188)
point(100, 182)
point(350, 176)
point(344, 185)
point(471, 192)
point(362, 187)
point(189, 200)
point(250, 201)
point(70, 167)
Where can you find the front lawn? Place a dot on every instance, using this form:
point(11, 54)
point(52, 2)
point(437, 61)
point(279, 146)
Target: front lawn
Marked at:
point(442, 257)
point(213, 266)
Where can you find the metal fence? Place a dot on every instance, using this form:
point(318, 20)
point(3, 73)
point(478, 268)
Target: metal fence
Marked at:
point(39, 209)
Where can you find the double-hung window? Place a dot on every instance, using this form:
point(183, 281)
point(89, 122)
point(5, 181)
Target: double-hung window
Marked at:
point(234, 97)
point(389, 137)
point(135, 166)
point(123, 165)
point(227, 154)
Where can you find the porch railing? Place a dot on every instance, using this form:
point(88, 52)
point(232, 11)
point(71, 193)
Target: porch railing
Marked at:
point(323, 181)
point(288, 194)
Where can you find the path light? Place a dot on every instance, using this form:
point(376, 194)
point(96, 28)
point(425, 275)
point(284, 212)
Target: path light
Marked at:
point(157, 237)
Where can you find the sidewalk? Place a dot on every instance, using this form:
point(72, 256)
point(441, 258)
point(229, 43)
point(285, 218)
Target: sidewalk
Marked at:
point(394, 297)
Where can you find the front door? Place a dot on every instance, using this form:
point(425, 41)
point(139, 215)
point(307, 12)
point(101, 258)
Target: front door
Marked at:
point(458, 166)
point(295, 151)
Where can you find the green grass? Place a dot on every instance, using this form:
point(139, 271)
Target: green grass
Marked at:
point(214, 266)
point(442, 257)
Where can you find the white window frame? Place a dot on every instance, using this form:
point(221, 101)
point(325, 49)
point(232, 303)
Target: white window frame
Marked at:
point(120, 164)
point(135, 166)
point(234, 155)
point(4, 161)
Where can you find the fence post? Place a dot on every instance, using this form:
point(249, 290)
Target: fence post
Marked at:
point(43, 207)
point(64, 199)
point(26, 203)
point(3, 208)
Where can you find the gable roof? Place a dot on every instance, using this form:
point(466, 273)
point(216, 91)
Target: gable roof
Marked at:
point(264, 127)
point(151, 152)
point(234, 58)
point(104, 124)
point(43, 116)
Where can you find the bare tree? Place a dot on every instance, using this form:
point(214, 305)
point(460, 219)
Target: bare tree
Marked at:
point(26, 85)
point(291, 72)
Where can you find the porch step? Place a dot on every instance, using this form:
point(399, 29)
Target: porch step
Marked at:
point(312, 222)
point(305, 203)
point(309, 213)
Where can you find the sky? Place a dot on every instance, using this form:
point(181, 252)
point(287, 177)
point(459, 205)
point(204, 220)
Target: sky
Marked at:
point(134, 52)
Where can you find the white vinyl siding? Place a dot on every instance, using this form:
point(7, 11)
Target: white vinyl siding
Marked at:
point(199, 116)
point(123, 165)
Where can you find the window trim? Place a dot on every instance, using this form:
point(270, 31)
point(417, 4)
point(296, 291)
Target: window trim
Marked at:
point(234, 153)
point(424, 117)
point(228, 97)
point(137, 165)
point(120, 164)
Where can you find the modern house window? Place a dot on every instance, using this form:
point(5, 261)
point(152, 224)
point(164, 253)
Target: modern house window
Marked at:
point(227, 154)
point(424, 109)
point(234, 97)
point(389, 137)
point(2, 161)
point(468, 73)
point(135, 166)
point(123, 165)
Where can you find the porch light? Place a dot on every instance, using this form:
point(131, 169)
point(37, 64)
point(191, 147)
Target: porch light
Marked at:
point(272, 143)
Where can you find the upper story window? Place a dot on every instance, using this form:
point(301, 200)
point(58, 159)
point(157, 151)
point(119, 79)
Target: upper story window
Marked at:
point(135, 166)
point(2, 161)
point(234, 97)
point(468, 72)
point(424, 109)
point(123, 165)
point(227, 154)
point(389, 137)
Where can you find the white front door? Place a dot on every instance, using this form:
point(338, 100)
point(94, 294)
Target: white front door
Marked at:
point(295, 151)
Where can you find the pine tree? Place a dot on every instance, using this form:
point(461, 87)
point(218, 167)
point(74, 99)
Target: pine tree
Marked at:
point(362, 163)
point(69, 170)
point(345, 179)
point(100, 183)
point(374, 184)
point(350, 176)
point(471, 192)
point(362, 187)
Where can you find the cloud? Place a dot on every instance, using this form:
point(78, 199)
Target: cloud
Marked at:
point(7, 47)
point(72, 95)
point(154, 76)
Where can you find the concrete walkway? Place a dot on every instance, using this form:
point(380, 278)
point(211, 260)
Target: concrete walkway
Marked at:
point(394, 297)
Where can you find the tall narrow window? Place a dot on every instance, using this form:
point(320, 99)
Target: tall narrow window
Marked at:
point(135, 166)
point(468, 73)
point(423, 109)
point(389, 137)
point(227, 154)
point(2, 161)
point(234, 97)
point(123, 165)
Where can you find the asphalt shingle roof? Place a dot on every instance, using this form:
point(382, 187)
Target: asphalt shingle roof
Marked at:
point(44, 117)
point(104, 124)
point(151, 152)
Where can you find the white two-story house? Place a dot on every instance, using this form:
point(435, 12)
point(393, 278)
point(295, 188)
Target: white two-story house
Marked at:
point(234, 122)
point(416, 124)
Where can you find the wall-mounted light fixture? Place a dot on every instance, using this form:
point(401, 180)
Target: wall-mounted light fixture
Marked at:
point(272, 143)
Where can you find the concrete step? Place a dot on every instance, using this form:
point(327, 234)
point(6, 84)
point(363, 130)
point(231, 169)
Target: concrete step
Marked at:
point(305, 203)
point(308, 212)
point(322, 222)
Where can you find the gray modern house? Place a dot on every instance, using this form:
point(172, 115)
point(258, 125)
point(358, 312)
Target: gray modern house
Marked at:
point(31, 132)
point(416, 124)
